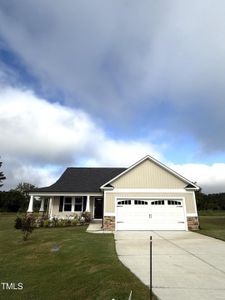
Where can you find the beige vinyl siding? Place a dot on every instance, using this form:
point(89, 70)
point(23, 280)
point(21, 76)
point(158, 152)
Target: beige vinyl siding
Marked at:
point(148, 175)
point(110, 199)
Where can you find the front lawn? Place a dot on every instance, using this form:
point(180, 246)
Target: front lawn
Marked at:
point(85, 267)
point(213, 225)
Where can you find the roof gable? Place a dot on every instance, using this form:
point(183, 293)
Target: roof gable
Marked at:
point(150, 173)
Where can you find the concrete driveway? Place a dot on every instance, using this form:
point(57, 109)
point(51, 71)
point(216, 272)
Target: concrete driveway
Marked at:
point(186, 265)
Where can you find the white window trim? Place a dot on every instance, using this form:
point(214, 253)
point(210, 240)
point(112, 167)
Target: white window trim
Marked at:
point(64, 198)
point(82, 203)
point(73, 204)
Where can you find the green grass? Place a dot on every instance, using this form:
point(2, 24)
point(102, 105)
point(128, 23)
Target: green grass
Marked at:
point(85, 267)
point(213, 226)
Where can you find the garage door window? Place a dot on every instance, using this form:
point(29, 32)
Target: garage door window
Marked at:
point(158, 202)
point(172, 202)
point(125, 202)
point(140, 202)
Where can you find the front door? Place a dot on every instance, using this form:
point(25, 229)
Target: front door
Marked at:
point(98, 214)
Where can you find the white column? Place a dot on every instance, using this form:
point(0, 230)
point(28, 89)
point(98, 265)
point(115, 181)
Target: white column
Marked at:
point(31, 204)
point(42, 208)
point(50, 208)
point(88, 204)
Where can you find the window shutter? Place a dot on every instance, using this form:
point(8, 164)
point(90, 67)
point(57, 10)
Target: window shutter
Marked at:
point(61, 203)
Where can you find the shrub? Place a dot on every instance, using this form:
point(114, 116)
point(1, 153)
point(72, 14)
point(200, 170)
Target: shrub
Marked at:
point(87, 216)
point(68, 222)
point(28, 223)
point(75, 222)
point(46, 223)
point(55, 222)
point(18, 222)
point(39, 222)
point(61, 223)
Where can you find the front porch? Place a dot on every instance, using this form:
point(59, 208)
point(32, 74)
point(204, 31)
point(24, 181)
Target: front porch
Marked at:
point(68, 205)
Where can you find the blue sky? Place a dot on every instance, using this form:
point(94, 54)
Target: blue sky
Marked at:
point(105, 83)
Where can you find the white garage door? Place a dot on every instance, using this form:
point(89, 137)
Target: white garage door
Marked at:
point(154, 214)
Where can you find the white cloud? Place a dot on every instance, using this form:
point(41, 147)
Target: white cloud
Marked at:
point(36, 135)
point(211, 178)
point(39, 139)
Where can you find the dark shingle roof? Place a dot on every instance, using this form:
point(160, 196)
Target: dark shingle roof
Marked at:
point(82, 180)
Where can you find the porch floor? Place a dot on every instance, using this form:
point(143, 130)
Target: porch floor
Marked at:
point(96, 227)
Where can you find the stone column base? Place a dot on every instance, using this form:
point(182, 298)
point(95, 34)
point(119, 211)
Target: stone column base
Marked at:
point(193, 223)
point(109, 223)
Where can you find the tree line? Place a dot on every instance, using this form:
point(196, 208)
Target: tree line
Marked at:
point(17, 199)
point(210, 201)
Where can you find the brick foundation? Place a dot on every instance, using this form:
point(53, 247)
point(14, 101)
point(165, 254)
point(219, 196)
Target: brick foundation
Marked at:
point(109, 223)
point(193, 223)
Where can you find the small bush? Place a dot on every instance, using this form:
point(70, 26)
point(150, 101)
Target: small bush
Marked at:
point(68, 222)
point(61, 223)
point(28, 223)
point(39, 222)
point(46, 223)
point(18, 222)
point(75, 222)
point(87, 216)
point(55, 222)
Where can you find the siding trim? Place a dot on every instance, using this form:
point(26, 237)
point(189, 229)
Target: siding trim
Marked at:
point(65, 194)
point(137, 190)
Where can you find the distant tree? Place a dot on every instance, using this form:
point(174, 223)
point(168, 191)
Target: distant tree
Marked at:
point(17, 199)
point(24, 188)
point(210, 201)
point(13, 201)
point(2, 176)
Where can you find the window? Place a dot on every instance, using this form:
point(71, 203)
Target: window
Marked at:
point(78, 204)
point(173, 202)
point(124, 202)
point(67, 204)
point(158, 202)
point(140, 202)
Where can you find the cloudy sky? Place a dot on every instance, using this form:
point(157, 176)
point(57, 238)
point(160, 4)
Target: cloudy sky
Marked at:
point(104, 83)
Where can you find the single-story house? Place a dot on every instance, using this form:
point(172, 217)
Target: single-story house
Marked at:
point(146, 196)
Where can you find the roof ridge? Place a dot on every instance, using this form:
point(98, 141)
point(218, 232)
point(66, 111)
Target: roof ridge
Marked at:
point(96, 168)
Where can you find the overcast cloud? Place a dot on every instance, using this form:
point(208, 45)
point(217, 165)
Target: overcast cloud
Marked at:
point(78, 77)
point(111, 56)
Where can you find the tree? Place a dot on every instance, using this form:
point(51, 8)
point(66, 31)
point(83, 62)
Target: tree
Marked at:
point(24, 188)
point(2, 176)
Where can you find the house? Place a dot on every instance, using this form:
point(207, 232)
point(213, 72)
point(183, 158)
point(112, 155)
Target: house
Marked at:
point(146, 196)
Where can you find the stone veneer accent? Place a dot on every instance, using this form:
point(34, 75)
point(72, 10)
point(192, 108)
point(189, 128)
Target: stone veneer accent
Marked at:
point(109, 223)
point(193, 223)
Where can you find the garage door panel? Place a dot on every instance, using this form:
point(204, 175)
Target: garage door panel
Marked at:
point(154, 214)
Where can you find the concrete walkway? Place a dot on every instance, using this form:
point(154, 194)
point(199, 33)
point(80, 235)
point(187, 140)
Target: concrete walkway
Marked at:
point(96, 227)
point(186, 265)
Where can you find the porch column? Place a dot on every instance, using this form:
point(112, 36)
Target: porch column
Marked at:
point(50, 208)
point(88, 204)
point(31, 204)
point(42, 208)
